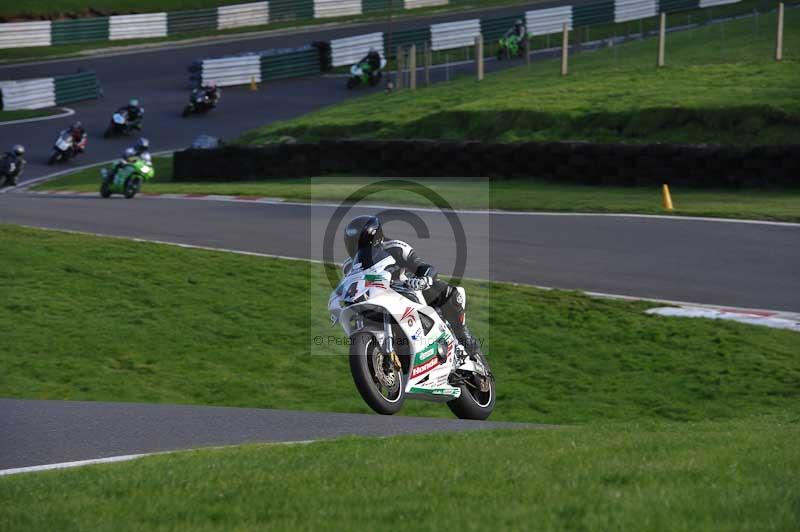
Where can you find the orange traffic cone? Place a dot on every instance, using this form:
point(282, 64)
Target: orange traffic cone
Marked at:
point(253, 84)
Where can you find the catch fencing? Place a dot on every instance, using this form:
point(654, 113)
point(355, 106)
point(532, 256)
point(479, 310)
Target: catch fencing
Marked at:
point(48, 92)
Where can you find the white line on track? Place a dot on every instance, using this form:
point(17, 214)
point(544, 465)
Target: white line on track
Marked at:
point(67, 112)
point(125, 458)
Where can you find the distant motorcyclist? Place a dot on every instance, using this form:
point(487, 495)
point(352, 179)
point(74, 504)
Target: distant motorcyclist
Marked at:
point(372, 60)
point(142, 150)
point(213, 93)
point(79, 137)
point(366, 232)
point(134, 112)
point(518, 30)
point(12, 165)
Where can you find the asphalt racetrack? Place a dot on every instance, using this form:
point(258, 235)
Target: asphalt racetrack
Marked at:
point(36, 433)
point(752, 265)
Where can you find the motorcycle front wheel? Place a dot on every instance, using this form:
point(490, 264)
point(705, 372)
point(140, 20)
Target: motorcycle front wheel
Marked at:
point(352, 83)
point(186, 111)
point(53, 158)
point(380, 383)
point(474, 403)
point(132, 186)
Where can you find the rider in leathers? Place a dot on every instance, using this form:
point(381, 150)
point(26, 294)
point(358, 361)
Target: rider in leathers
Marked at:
point(367, 232)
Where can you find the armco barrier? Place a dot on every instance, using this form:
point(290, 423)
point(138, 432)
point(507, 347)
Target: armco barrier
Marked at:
point(137, 26)
point(228, 71)
point(183, 21)
point(241, 15)
point(598, 164)
point(80, 30)
point(48, 92)
point(627, 10)
point(28, 94)
point(352, 49)
point(23, 34)
point(336, 8)
point(443, 36)
point(451, 35)
point(280, 64)
point(546, 21)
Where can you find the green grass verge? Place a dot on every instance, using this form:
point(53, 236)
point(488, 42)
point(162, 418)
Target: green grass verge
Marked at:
point(739, 475)
point(512, 194)
point(57, 8)
point(91, 318)
point(721, 85)
point(22, 114)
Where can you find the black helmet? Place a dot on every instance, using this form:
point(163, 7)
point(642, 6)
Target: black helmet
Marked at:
point(363, 232)
point(18, 150)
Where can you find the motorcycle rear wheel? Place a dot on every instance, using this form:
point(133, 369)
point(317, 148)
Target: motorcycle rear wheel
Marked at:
point(474, 404)
point(365, 354)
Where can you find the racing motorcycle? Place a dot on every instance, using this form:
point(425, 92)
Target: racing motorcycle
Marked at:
point(63, 148)
point(120, 125)
point(126, 178)
point(362, 74)
point(511, 47)
point(7, 171)
point(199, 102)
point(401, 348)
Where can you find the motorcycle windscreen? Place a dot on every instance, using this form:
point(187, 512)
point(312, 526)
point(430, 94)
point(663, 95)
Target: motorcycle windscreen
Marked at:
point(368, 257)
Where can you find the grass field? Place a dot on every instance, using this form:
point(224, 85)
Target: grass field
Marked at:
point(736, 475)
point(513, 195)
point(721, 86)
point(8, 116)
point(93, 318)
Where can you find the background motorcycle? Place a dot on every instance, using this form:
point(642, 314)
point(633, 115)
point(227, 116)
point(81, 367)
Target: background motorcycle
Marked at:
point(362, 74)
point(63, 148)
point(199, 102)
point(6, 169)
point(120, 125)
point(511, 47)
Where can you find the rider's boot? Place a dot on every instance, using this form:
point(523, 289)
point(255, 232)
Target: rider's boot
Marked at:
point(455, 314)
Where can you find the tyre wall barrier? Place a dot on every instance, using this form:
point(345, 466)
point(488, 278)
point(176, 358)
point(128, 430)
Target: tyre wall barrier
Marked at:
point(573, 162)
point(48, 92)
point(257, 66)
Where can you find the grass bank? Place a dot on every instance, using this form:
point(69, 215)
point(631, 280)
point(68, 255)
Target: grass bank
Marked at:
point(720, 86)
point(22, 114)
point(512, 194)
point(92, 318)
point(736, 475)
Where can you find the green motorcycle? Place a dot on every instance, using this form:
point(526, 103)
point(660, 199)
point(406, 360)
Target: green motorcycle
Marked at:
point(511, 47)
point(126, 178)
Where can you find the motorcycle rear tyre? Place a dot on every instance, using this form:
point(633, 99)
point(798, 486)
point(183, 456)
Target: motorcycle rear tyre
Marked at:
point(468, 407)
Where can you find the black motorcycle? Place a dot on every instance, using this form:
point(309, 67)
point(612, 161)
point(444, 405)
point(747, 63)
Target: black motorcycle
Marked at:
point(9, 171)
point(121, 125)
point(199, 102)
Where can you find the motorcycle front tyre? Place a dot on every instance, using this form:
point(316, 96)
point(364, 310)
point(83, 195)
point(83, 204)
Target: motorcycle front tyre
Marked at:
point(362, 351)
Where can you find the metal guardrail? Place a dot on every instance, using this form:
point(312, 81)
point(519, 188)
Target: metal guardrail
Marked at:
point(137, 26)
point(352, 49)
point(336, 8)
point(23, 34)
point(547, 21)
point(451, 35)
point(48, 92)
point(28, 94)
point(241, 15)
point(627, 10)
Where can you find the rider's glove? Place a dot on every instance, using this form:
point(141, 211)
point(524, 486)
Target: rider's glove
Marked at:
point(419, 283)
